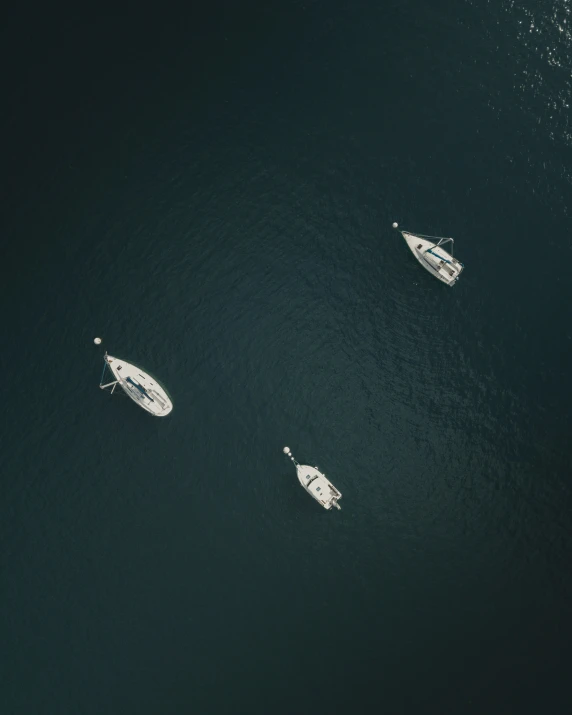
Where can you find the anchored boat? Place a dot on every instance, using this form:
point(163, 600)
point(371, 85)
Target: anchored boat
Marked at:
point(429, 251)
point(316, 483)
point(138, 385)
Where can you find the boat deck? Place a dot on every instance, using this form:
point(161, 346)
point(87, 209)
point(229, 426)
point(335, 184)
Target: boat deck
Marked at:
point(318, 485)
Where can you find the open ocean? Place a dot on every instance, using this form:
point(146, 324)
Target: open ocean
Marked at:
point(212, 194)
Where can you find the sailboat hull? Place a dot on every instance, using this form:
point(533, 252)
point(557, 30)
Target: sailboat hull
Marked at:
point(434, 258)
point(141, 387)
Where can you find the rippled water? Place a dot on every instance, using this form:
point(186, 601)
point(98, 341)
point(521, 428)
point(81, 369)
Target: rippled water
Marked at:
point(224, 220)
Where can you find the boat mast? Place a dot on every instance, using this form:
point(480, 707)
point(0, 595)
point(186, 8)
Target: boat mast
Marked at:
point(446, 240)
point(109, 384)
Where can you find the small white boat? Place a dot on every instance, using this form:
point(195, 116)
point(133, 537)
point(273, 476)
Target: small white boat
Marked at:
point(429, 251)
point(138, 385)
point(316, 484)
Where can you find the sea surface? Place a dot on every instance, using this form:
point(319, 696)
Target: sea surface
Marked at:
point(212, 194)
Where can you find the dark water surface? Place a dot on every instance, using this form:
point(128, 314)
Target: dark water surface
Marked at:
point(213, 195)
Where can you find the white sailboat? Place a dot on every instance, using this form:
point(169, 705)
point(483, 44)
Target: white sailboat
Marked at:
point(138, 385)
point(429, 251)
point(316, 483)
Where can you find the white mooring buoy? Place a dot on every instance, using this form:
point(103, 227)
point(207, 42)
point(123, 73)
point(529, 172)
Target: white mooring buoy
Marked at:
point(97, 341)
point(395, 224)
